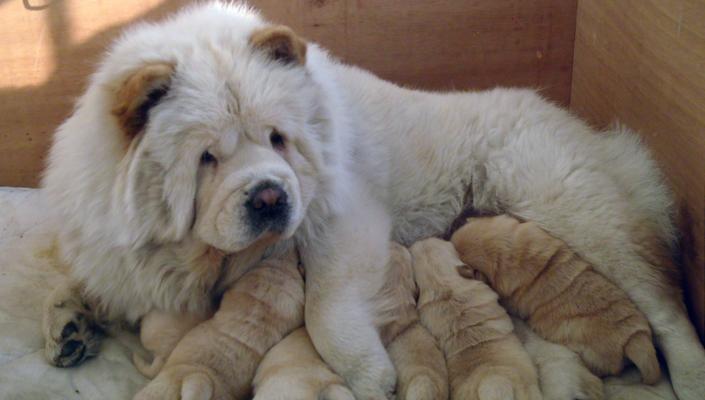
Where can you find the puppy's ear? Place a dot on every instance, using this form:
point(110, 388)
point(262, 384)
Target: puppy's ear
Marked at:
point(280, 43)
point(139, 93)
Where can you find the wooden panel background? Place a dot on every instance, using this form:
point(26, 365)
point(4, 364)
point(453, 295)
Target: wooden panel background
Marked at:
point(48, 48)
point(643, 62)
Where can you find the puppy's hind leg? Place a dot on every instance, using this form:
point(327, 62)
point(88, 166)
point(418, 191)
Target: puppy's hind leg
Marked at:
point(70, 332)
point(562, 374)
point(640, 350)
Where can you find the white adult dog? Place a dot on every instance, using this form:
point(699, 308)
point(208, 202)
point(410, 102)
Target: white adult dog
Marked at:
point(203, 140)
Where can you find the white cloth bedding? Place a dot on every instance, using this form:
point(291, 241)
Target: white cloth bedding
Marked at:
point(27, 274)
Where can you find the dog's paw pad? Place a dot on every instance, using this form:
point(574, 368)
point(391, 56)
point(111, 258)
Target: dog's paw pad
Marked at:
point(77, 340)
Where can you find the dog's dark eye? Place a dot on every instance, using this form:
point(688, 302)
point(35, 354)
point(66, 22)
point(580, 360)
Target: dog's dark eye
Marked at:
point(207, 158)
point(277, 140)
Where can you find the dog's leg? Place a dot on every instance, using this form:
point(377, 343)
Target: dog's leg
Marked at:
point(344, 334)
point(70, 332)
point(344, 270)
point(561, 372)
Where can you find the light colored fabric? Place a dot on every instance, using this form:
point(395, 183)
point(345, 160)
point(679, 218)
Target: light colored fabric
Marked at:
point(28, 271)
point(27, 274)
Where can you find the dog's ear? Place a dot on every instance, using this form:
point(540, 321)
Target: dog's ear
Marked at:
point(280, 43)
point(139, 93)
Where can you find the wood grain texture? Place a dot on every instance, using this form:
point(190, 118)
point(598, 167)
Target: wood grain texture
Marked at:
point(642, 62)
point(48, 49)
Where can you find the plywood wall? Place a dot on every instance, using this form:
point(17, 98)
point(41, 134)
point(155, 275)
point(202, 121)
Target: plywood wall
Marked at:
point(48, 48)
point(642, 62)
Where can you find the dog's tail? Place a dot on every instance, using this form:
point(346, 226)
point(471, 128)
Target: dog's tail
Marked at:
point(640, 350)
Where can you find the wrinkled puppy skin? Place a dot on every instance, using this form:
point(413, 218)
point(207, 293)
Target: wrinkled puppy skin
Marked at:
point(419, 361)
point(218, 358)
point(559, 294)
point(485, 358)
point(293, 370)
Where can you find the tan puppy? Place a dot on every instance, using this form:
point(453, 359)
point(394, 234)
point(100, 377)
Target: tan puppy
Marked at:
point(558, 293)
point(419, 362)
point(293, 370)
point(485, 359)
point(218, 358)
point(159, 333)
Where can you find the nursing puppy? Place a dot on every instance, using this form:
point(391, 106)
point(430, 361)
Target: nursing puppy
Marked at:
point(558, 293)
point(419, 362)
point(485, 359)
point(218, 358)
point(293, 370)
point(202, 140)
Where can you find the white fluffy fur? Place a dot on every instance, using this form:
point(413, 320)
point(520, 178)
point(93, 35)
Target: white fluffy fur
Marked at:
point(374, 160)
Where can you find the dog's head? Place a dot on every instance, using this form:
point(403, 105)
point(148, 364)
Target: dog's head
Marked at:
point(208, 124)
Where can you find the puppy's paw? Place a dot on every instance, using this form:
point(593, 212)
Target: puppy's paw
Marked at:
point(423, 387)
point(495, 387)
point(374, 383)
point(70, 334)
point(182, 382)
point(336, 392)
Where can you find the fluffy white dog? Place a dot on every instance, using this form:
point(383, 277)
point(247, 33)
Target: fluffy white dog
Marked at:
point(204, 140)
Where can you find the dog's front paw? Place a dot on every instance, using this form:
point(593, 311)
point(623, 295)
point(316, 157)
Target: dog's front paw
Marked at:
point(374, 383)
point(70, 334)
point(181, 382)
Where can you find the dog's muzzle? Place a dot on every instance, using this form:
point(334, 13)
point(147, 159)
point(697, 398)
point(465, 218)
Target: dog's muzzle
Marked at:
point(267, 208)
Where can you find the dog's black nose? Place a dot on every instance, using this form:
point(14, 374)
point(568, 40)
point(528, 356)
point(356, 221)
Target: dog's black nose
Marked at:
point(268, 207)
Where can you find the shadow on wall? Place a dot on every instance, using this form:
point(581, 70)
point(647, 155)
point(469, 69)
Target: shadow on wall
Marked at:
point(41, 108)
point(51, 46)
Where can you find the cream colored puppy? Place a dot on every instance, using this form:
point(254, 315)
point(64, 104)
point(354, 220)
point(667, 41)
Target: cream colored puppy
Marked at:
point(293, 370)
point(485, 359)
point(562, 298)
point(159, 334)
point(419, 362)
point(218, 358)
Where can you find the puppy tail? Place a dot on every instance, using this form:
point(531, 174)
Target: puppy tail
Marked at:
point(197, 386)
point(640, 350)
point(335, 392)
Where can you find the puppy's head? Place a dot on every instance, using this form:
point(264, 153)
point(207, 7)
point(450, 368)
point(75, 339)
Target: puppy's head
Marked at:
point(481, 242)
point(216, 127)
point(435, 263)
